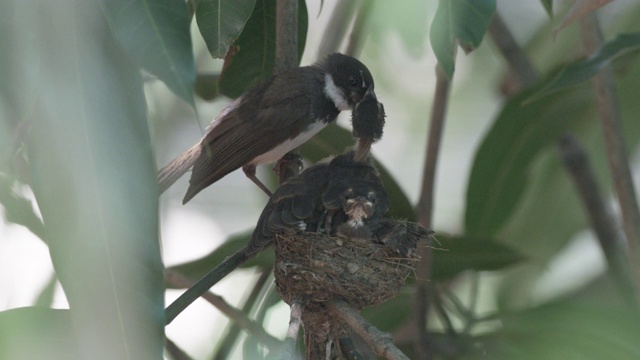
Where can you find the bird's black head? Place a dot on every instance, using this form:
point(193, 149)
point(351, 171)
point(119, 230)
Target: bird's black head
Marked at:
point(355, 188)
point(350, 80)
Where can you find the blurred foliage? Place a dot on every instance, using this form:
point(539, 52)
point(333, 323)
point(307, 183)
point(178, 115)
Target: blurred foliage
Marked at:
point(74, 127)
point(252, 56)
point(459, 23)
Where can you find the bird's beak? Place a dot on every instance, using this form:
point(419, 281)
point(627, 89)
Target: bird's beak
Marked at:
point(370, 93)
point(359, 208)
point(363, 149)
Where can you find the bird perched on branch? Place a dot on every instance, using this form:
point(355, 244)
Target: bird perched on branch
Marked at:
point(273, 118)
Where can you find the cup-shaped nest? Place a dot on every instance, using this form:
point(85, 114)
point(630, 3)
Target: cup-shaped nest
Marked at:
point(315, 268)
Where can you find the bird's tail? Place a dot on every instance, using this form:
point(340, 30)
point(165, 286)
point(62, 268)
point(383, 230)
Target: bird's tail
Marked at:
point(177, 167)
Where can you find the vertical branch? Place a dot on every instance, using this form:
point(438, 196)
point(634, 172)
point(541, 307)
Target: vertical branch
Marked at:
point(286, 34)
point(287, 58)
point(602, 221)
point(424, 210)
point(609, 112)
point(357, 36)
point(517, 60)
point(337, 27)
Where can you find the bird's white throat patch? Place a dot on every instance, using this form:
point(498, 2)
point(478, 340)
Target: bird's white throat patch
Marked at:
point(335, 94)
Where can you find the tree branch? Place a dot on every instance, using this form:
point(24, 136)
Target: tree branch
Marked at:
point(357, 36)
point(380, 342)
point(203, 285)
point(237, 316)
point(609, 112)
point(517, 60)
point(336, 28)
point(286, 34)
point(295, 320)
point(602, 221)
point(424, 210)
point(226, 345)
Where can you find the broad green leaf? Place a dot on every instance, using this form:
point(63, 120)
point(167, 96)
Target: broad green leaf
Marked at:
point(334, 140)
point(156, 35)
point(563, 331)
point(550, 213)
point(459, 22)
point(409, 21)
point(198, 268)
point(94, 179)
point(455, 254)
point(221, 21)
point(548, 6)
point(502, 162)
point(582, 71)
point(37, 333)
point(252, 56)
point(17, 209)
point(391, 314)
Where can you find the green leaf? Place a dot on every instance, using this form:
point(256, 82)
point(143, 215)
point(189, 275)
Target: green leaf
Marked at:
point(36, 333)
point(563, 331)
point(392, 314)
point(252, 56)
point(198, 268)
point(455, 254)
point(409, 21)
point(156, 35)
point(221, 21)
point(582, 71)
point(550, 213)
point(94, 178)
point(334, 140)
point(500, 169)
point(548, 6)
point(459, 22)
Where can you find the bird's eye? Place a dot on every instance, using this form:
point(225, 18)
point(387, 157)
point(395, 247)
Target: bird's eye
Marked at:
point(353, 82)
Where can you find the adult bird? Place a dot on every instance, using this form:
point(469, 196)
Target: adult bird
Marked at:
point(271, 119)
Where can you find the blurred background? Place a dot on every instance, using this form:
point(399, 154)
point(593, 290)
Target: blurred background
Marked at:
point(542, 273)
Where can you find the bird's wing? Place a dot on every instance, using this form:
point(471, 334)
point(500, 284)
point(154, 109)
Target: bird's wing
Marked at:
point(293, 203)
point(249, 130)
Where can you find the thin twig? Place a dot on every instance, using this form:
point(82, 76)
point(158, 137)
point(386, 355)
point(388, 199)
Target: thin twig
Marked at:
point(602, 221)
point(203, 285)
point(357, 36)
point(240, 318)
point(176, 352)
point(516, 59)
point(290, 342)
point(444, 317)
point(336, 28)
point(381, 343)
point(226, 345)
point(424, 210)
point(609, 111)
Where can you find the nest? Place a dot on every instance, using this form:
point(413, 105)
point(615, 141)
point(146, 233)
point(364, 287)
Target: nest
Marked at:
point(314, 268)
